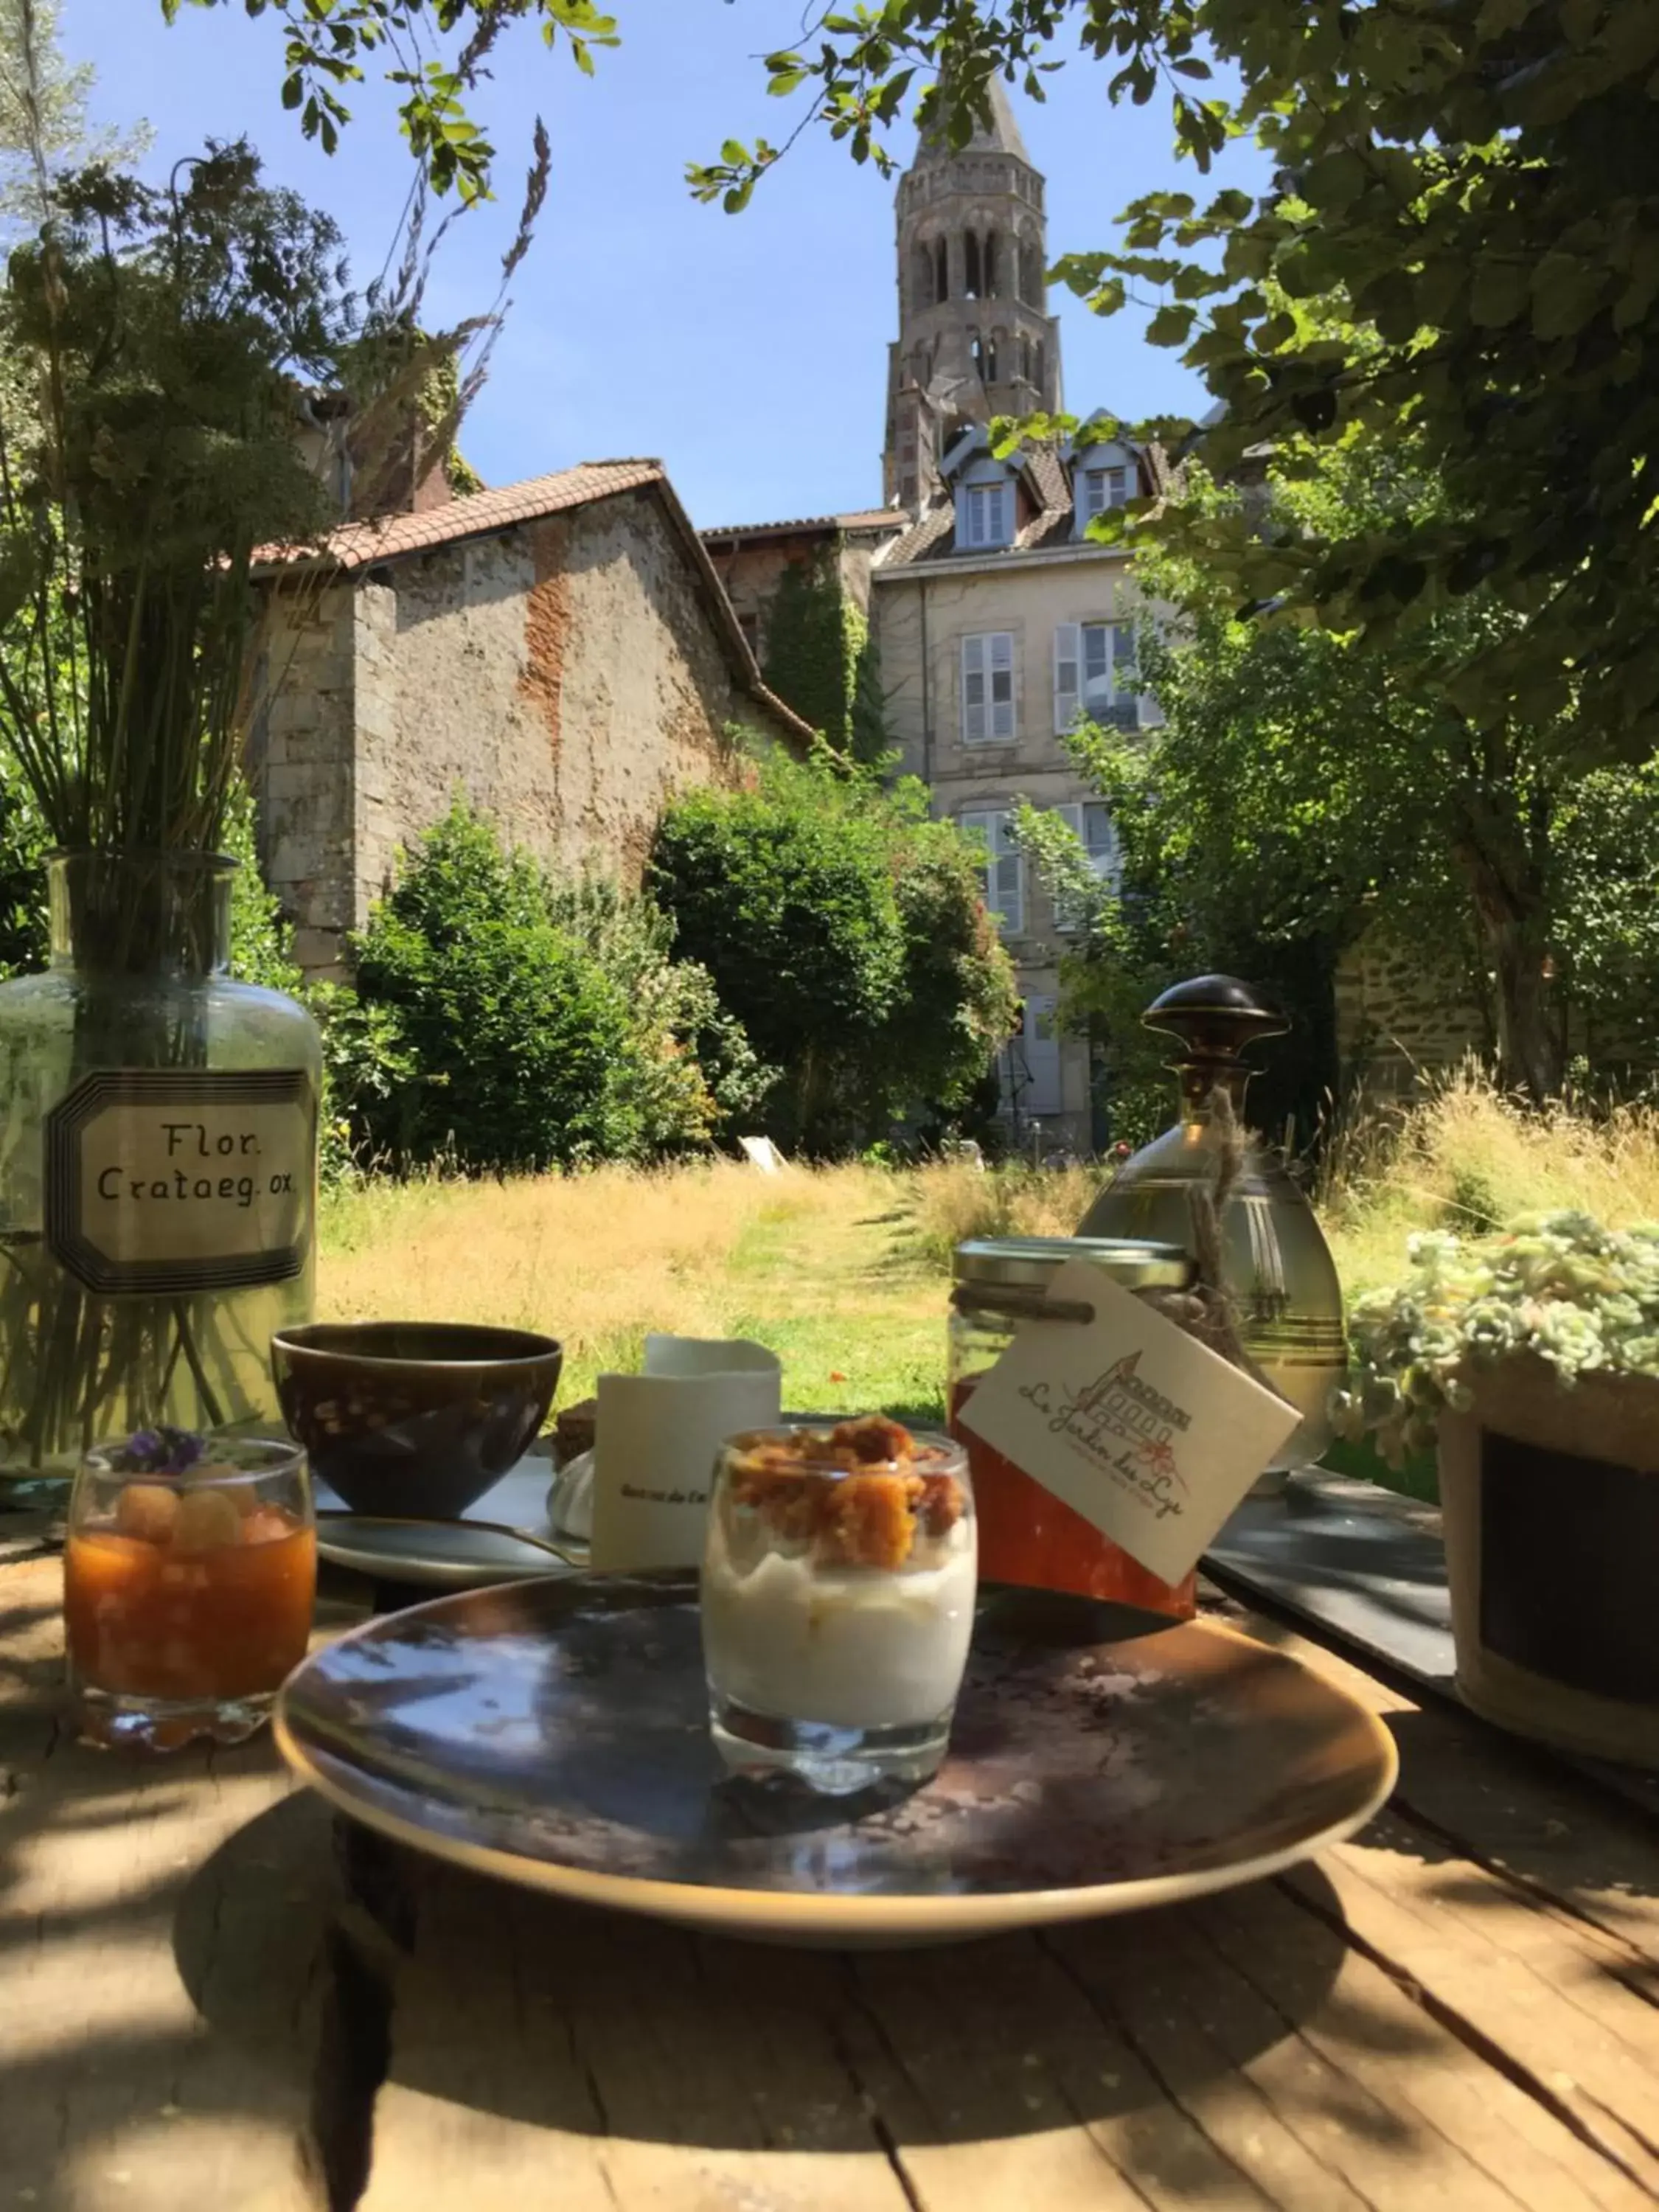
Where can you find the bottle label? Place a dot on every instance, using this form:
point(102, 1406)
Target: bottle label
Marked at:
point(168, 1181)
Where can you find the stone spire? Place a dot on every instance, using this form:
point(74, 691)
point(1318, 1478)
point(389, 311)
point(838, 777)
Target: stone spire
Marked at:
point(975, 338)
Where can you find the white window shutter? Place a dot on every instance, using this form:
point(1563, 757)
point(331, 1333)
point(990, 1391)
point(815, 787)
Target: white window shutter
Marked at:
point(973, 688)
point(1001, 684)
point(1067, 648)
point(1041, 1042)
point(1009, 878)
point(1100, 841)
point(1005, 874)
point(1125, 673)
point(1066, 917)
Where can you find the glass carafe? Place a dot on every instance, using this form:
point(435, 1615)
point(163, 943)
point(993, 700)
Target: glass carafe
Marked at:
point(158, 1163)
point(1277, 1263)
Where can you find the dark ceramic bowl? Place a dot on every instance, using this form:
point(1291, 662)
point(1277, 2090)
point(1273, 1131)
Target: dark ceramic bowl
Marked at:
point(414, 1419)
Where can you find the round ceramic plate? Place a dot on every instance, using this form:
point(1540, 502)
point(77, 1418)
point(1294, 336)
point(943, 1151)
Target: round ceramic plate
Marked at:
point(556, 1733)
point(445, 1555)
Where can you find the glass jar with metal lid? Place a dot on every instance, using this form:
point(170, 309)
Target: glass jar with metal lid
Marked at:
point(1027, 1535)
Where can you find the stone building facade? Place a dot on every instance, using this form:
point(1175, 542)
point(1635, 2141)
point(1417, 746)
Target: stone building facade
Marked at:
point(752, 559)
point(989, 655)
point(1000, 622)
point(561, 651)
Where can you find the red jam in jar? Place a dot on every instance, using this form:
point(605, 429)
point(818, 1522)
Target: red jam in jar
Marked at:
point(1026, 1535)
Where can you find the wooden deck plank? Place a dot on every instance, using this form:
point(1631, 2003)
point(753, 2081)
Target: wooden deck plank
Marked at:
point(1318, 2077)
point(1508, 1806)
point(159, 1953)
point(549, 2057)
point(999, 2083)
point(1514, 1978)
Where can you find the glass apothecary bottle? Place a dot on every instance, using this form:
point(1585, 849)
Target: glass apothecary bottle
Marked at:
point(158, 1168)
point(1275, 1260)
point(1026, 1535)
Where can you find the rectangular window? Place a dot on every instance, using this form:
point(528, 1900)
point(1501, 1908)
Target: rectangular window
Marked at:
point(1101, 489)
point(1005, 867)
point(1029, 1064)
point(1095, 672)
point(988, 688)
point(1091, 824)
point(984, 512)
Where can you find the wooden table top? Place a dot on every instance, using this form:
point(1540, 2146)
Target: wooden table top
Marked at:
point(212, 1995)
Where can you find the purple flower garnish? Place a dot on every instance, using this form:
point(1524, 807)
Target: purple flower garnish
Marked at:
point(161, 1451)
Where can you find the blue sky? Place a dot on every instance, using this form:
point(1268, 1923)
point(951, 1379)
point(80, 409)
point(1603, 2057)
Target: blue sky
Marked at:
point(748, 351)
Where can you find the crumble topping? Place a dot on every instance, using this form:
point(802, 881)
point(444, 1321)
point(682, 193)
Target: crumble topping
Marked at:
point(857, 1493)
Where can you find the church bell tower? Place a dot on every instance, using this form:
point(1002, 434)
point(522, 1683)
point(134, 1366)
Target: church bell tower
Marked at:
point(976, 337)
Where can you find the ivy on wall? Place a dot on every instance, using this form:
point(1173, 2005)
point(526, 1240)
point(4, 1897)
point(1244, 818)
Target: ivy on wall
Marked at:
point(822, 660)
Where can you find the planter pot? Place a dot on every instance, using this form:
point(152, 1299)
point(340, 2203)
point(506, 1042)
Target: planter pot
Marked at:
point(1551, 1503)
point(157, 1169)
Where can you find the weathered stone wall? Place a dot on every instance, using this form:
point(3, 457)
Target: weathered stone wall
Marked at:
point(1401, 1009)
point(300, 762)
point(566, 674)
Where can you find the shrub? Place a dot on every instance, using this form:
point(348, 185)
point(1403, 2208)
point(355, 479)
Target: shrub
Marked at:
point(847, 934)
point(510, 1023)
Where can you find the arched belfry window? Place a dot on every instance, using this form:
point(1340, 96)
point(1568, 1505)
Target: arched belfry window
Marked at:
point(1040, 365)
point(970, 258)
point(941, 271)
point(1030, 274)
point(995, 353)
point(1025, 359)
point(977, 355)
point(988, 266)
point(921, 277)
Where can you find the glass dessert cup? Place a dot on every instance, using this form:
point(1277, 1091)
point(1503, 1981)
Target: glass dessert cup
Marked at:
point(189, 1576)
point(838, 1584)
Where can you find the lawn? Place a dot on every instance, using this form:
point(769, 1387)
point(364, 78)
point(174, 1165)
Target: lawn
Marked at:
point(827, 1267)
point(844, 1271)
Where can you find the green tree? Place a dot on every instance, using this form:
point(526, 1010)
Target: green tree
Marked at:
point(1478, 180)
point(434, 52)
point(847, 934)
point(1303, 790)
point(43, 113)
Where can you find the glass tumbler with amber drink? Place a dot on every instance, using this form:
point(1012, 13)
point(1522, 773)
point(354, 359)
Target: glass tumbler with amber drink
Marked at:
point(838, 1585)
point(189, 1579)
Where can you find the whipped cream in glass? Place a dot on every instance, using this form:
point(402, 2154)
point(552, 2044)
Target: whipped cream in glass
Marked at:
point(838, 1588)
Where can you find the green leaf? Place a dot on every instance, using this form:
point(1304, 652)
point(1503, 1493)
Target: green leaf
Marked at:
point(1171, 326)
point(1335, 181)
point(1501, 291)
point(1566, 291)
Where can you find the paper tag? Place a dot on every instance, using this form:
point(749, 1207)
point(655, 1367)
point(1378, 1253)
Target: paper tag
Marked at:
point(1130, 1421)
point(655, 1439)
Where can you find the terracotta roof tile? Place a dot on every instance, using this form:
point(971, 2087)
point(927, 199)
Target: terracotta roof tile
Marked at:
point(360, 545)
point(864, 517)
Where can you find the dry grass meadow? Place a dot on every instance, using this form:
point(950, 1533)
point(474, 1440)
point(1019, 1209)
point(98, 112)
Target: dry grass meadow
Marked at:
point(844, 1270)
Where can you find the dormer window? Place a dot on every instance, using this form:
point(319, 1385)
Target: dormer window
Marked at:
point(985, 515)
point(1099, 489)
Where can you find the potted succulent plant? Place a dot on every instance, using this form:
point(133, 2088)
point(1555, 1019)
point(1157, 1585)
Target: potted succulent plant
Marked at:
point(1531, 1355)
